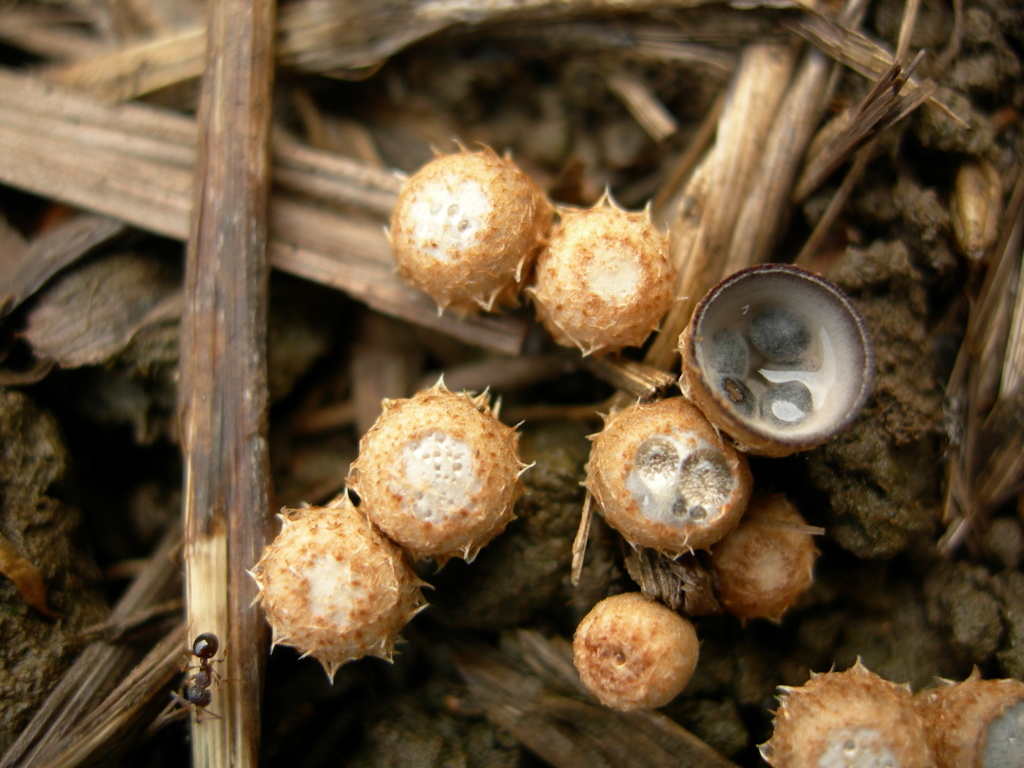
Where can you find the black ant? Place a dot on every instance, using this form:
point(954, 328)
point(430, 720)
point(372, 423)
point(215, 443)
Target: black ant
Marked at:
point(196, 690)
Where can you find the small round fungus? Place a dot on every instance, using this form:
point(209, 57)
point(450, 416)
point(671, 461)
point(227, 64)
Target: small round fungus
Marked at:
point(778, 358)
point(466, 229)
point(665, 479)
point(764, 565)
point(439, 473)
point(633, 653)
point(851, 719)
point(975, 724)
point(605, 280)
point(333, 587)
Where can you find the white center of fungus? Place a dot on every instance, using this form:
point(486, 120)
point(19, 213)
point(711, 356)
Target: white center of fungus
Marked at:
point(680, 480)
point(439, 474)
point(769, 569)
point(857, 748)
point(448, 221)
point(613, 274)
point(333, 592)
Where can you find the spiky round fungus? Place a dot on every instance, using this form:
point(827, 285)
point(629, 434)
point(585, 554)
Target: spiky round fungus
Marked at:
point(778, 358)
point(605, 280)
point(438, 473)
point(851, 719)
point(975, 724)
point(764, 565)
point(467, 227)
point(664, 478)
point(333, 587)
point(633, 653)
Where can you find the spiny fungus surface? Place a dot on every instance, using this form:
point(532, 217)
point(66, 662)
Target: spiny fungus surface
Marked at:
point(439, 473)
point(852, 719)
point(333, 587)
point(764, 565)
point(467, 227)
point(665, 479)
point(605, 280)
point(975, 724)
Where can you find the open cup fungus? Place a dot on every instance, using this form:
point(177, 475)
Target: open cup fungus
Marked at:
point(777, 358)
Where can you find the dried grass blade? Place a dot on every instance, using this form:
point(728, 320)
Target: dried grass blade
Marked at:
point(882, 107)
point(700, 234)
point(223, 396)
point(529, 692)
point(134, 163)
point(125, 708)
point(986, 433)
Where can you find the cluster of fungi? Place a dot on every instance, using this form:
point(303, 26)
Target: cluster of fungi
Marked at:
point(775, 360)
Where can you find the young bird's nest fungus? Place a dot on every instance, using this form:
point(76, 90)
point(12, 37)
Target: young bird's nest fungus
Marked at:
point(605, 280)
point(466, 229)
point(333, 587)
point(634, 653)
point(439, 473)
point(852, 719)
point(664, 477)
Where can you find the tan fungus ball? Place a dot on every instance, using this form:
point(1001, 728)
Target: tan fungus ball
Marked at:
point(605, 280)
point(333, 587)
point(975, 724)
point(466, 229)
point(438, 473)
point(665, 479)
point(633, 653)
point(767, 563)
point(852, 719)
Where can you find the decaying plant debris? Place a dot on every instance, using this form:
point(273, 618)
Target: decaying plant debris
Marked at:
point(877, 143)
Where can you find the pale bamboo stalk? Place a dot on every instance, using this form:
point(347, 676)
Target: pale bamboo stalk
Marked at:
point(700, 235)
point(766, 208)
point(223, 393)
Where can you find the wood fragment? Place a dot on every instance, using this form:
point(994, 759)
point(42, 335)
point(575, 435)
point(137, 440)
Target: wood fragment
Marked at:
point(579, 543)
point(223, 397)
point(700, 235)
point(51, 252)
point(682, 584)
point(49, 32)
point(636, 380)
point(136, 70)
point(766, 208)
point(512, 372)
